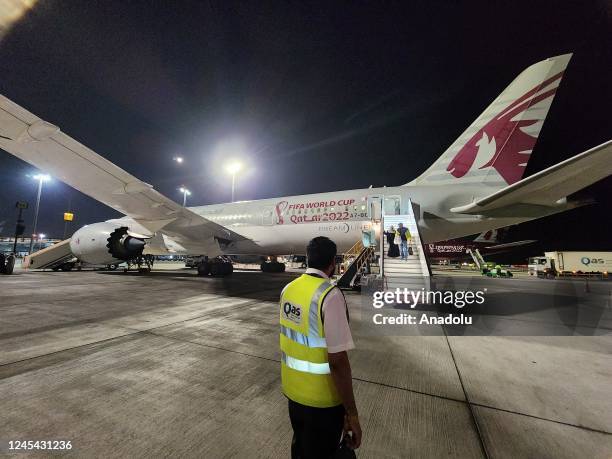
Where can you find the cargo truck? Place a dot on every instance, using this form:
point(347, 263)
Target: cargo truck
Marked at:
point(571, 264)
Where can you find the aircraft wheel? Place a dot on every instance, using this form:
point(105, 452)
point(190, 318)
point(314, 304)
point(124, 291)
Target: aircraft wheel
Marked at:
point(2, 264)
point(228, 269)
point(272, 267)
point(9, 264)
point(67, 267)
point(204, 268)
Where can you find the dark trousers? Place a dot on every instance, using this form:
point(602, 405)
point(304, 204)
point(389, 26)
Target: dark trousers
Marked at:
point(316, 431)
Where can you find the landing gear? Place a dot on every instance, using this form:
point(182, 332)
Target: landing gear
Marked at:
point(272, 267)
point(65, 266)
point(203, 268)
point(220, 266)
point(144, 263)
point(7, 264)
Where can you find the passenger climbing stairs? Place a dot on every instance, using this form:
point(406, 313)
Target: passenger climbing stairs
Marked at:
point(413, 273)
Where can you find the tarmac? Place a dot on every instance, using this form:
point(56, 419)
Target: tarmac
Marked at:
point(171, 364)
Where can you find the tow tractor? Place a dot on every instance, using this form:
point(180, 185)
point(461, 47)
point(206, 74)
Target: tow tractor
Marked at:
point(497, 271)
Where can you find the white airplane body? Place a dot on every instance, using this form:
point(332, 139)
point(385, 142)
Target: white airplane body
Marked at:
point(476, 185)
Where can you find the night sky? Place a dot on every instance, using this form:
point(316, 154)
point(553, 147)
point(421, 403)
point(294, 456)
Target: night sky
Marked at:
point(316, 97)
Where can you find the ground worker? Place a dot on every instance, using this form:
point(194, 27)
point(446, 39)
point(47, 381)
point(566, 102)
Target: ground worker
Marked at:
point(315, 369)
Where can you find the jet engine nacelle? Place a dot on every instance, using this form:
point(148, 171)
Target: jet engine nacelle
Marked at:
point(106, 243)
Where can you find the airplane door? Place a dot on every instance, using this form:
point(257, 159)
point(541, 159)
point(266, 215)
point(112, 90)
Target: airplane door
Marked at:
point(374, 208)
point(372, 237)
point(392, 205)
point(268, 216)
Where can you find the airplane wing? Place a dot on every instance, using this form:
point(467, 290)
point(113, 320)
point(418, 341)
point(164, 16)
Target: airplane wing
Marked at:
point(510, 245)
point(44, 146)
point(528, 197)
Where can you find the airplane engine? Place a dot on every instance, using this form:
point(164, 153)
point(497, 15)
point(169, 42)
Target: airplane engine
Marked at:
point(106, 243)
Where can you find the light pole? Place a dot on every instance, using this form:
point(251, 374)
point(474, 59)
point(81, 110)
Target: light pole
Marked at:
point(186, 193)
point(41, 178)
point(41, 236)
point(233, 169)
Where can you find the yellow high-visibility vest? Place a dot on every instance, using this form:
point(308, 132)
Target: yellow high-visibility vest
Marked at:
point(305, 372)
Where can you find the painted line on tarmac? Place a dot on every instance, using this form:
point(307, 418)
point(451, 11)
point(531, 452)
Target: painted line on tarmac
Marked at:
point(467, 400)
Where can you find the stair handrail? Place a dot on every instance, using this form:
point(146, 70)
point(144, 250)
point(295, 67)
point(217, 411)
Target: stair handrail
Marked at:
point(355, 249)
point(477, 262)
point(381, 257)
point(425, 270)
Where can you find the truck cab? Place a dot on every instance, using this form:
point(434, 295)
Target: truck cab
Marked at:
point(539, 266)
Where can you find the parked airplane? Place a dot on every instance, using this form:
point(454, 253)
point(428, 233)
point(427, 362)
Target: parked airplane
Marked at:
point(491, 241)
point(476, 185)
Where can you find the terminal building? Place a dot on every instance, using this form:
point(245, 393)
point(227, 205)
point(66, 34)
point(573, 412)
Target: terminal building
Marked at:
point(23, 245)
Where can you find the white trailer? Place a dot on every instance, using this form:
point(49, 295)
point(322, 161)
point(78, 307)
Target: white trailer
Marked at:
point(554, 264)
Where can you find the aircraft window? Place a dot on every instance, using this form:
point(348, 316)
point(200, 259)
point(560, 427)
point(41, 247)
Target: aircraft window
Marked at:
point(300, 211)
point(346, 207)
point(319, 209)
point(363, 207)
point(355, 208)
point(332, 209)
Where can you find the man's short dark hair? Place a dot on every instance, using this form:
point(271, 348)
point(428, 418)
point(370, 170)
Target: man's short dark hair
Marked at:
point(321, 252)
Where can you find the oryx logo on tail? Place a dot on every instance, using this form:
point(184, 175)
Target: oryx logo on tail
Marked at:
point(505, 138)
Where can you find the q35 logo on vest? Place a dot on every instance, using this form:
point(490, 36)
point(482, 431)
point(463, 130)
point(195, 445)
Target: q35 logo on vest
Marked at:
point(292, 312)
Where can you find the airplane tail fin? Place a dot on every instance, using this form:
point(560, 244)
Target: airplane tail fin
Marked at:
point(496, 147)
point(491, 236)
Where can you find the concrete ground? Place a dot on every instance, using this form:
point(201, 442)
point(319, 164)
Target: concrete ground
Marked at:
point(169, 364)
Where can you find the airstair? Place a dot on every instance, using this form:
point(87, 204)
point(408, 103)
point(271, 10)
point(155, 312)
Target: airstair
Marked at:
point(357, 259)
point(478, 259)
point(413, 273)
point(56, 256)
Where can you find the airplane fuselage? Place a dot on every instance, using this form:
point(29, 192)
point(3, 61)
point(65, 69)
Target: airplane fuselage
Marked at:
point(284, 225)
